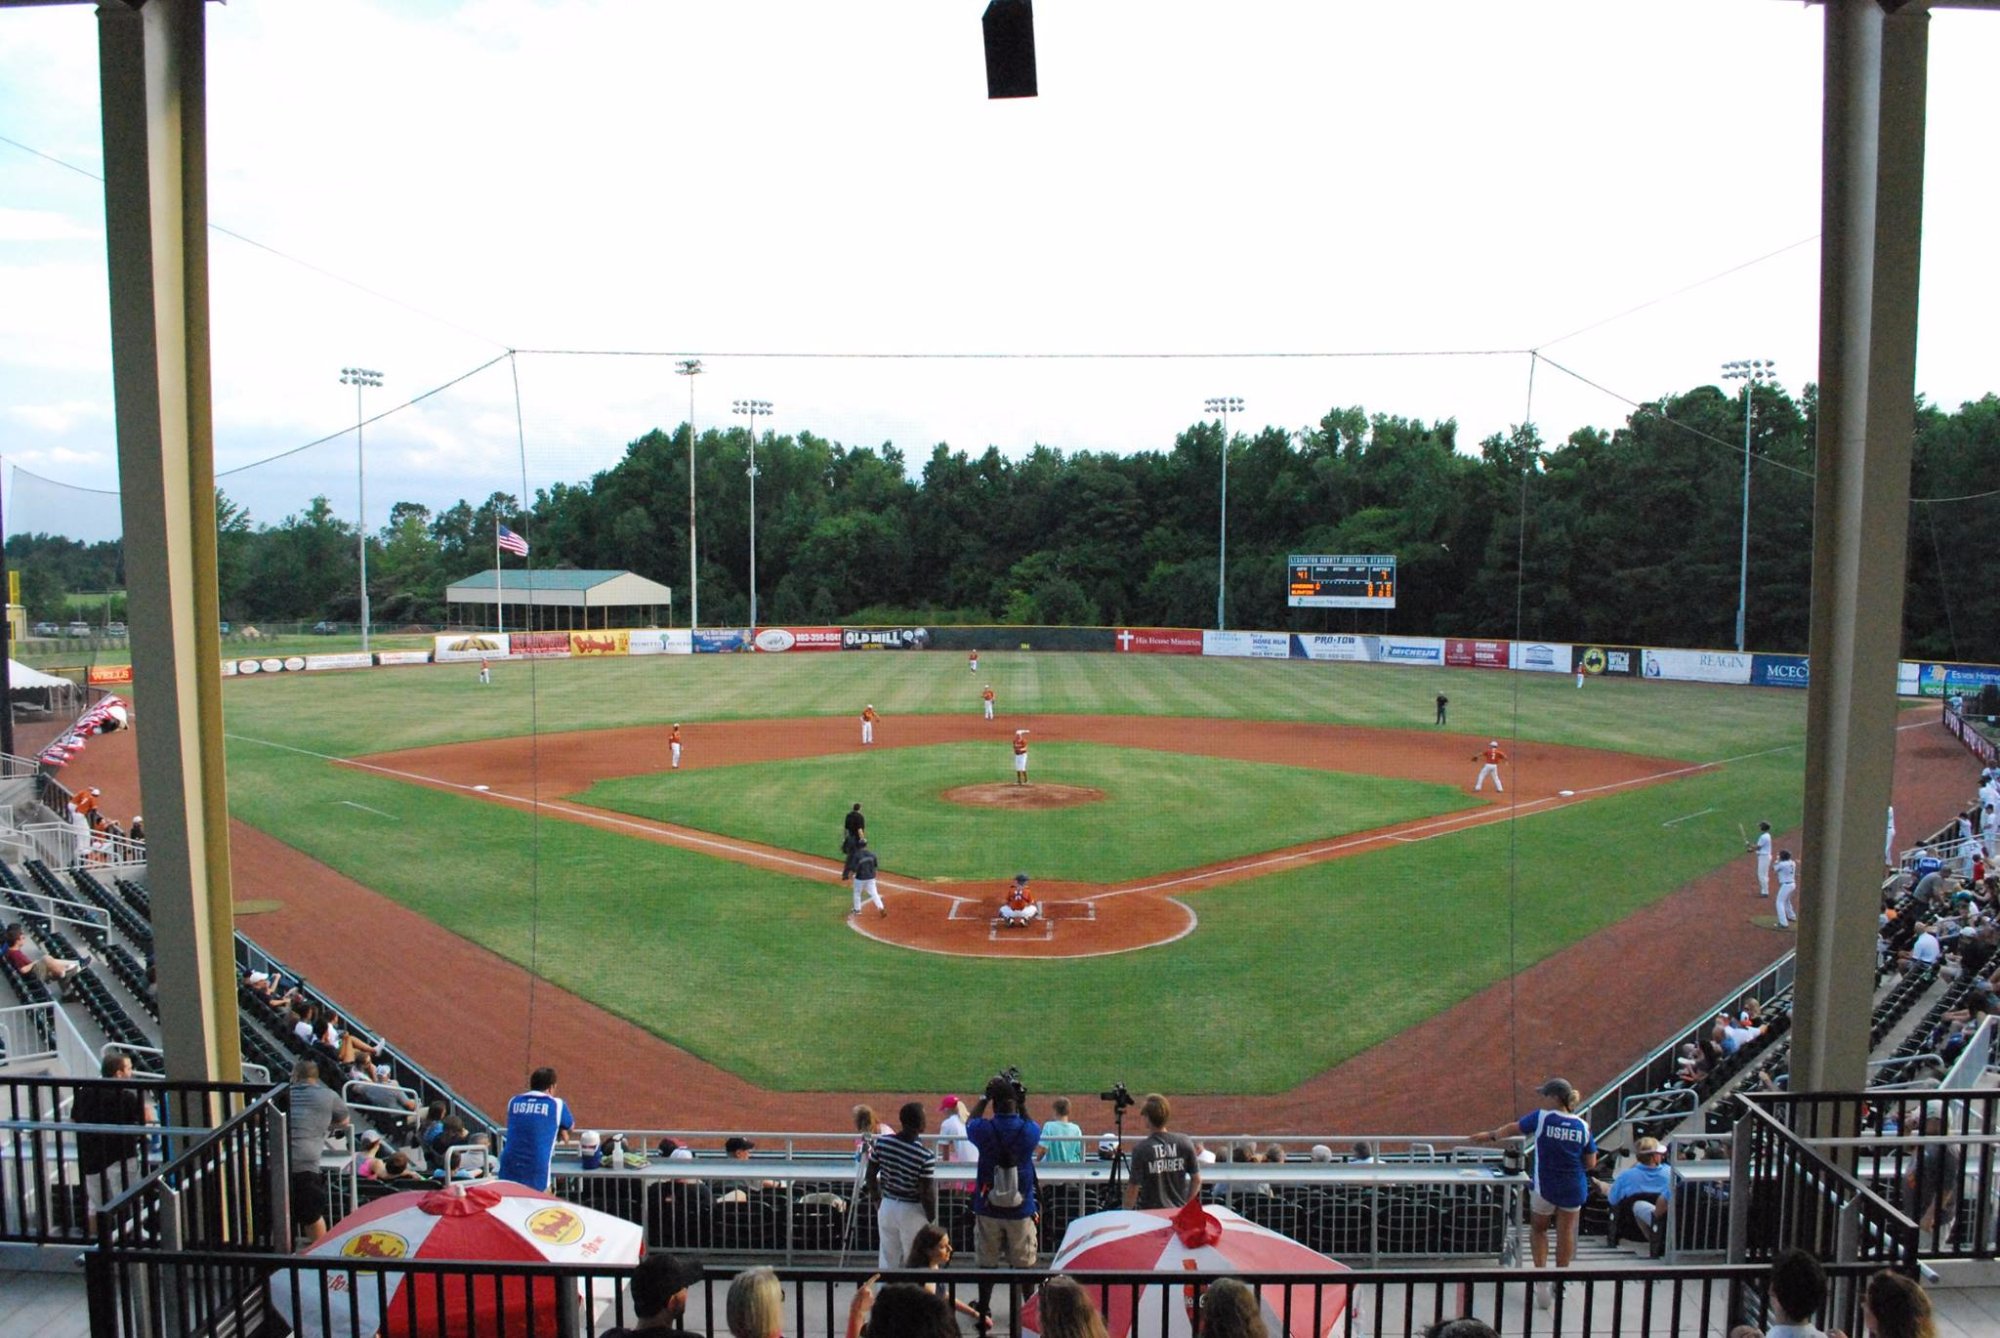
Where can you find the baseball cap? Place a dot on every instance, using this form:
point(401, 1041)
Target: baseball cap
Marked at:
point(948, 1105)
point(1020, 877)
point(1558, 1088)
point(588, 1140)
point(1934, 1110)
point(1494, 744)
point(1649, 1147)
point(1107, 1145)
point(369, 1138)
point(738, 1144)
point(656, 1280)
point(95, 790)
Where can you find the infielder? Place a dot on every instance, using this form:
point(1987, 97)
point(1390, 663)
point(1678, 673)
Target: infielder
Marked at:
point(674, 745)
point(1788, 889)
point(1020, 757)
point(1762, 845)
point(1019, 910)
point(1492, 757)
point(986, 698)
point(868, 719)
point(864, 880)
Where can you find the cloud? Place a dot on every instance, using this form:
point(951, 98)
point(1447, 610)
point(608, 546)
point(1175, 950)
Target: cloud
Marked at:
point(43, 225)
point(61, 417)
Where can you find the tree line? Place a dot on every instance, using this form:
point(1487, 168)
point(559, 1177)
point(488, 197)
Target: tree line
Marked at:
point(1626, 536)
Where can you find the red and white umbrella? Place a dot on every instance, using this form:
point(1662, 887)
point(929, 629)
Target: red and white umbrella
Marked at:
point(1200, 1238)
point(494, 1220)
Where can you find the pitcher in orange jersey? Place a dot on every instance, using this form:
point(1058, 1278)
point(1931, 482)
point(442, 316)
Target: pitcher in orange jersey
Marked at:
point(1492, 757)
point(1020, 757)
point(674, 745)
point(868, 719)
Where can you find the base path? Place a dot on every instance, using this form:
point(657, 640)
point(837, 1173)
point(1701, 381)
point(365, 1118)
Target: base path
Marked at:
point(1585, 1012)
point(1082, 920)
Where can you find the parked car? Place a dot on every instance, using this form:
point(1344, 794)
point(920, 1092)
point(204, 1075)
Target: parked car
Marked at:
point(226, 628)
point(114, 629)
point(45, 629)
point(77, 627)
point(325, 628)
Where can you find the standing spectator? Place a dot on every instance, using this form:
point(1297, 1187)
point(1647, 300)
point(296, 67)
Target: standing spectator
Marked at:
point(110, 1163)
point(1003, 1190)
point(659, 1294)
point(1930, 1185)
point(1062, 1141)
point(313, 1112)
point(1066, 1310)
point(1797, 1291)
point(1894, 1306)
point(1229, 1309)
point(1165, 1173)
point(903, 1172)
point(1641, 1195)
point(1564, 1154)
point(536, 1120)
point(952, 1144)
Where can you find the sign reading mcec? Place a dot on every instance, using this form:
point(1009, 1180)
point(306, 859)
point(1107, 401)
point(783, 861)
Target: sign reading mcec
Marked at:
point(1780, 671)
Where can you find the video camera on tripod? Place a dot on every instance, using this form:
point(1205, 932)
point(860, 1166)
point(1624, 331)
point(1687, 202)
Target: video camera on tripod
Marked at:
point(1120, 1100)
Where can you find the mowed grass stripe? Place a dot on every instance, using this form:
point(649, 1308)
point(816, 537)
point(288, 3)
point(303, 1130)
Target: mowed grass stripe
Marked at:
point(1161, 811)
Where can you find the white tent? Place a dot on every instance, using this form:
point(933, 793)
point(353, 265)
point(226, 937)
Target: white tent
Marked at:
point(21, 678)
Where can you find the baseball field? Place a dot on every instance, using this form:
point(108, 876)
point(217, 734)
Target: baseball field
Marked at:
point(1251, 871)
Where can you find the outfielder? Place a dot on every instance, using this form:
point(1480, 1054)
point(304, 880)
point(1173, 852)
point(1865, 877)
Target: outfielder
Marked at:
point(986, 698)
point(1788, 889)
point(864, 879)
point(485, 670)
point(1492, 757)
point(1020, 757)
point(1762, 845)
point(674, 745)
point(1019, 910)
point(868, 719)
point(972, 662)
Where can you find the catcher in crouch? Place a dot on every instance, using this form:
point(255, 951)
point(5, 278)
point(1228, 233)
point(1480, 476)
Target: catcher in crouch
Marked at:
point(1019, 909)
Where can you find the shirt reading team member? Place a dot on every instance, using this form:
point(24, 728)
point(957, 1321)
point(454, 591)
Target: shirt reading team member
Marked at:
point(535, 1120)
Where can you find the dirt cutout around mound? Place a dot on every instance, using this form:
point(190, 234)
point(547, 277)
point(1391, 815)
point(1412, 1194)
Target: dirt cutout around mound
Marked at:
point(998, 794)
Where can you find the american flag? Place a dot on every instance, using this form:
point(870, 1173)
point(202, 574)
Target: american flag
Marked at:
point(512, 542)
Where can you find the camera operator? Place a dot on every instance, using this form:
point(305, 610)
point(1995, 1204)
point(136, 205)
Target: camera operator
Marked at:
point(1165, 1172)
point(1003, 1194)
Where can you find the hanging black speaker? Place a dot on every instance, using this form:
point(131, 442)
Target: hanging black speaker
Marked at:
point(1010, 48)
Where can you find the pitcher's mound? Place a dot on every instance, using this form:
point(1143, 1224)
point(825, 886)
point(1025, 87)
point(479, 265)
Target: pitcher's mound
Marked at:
point(1004, 794)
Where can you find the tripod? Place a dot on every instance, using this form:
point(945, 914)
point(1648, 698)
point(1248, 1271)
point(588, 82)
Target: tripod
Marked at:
point(1113, 1196)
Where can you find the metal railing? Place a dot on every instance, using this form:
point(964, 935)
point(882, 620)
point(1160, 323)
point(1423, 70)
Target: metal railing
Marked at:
point(43, 1033)
point(229, 1189)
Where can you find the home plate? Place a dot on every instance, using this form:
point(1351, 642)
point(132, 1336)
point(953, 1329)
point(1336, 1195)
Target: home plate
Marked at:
point(483, 788)
point(1564, 793)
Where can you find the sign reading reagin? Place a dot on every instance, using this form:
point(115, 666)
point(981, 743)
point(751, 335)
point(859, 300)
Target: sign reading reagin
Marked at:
point(1341, 581)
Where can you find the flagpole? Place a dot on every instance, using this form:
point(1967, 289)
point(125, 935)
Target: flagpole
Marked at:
point(499, 609)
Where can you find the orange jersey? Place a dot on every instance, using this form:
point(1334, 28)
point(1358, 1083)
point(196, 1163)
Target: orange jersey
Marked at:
point(869, 715)
point(1020, 745)
point(987, 695)
point(86, 803)
point(1491, 755)
point(675, 735)
point(1020, 898)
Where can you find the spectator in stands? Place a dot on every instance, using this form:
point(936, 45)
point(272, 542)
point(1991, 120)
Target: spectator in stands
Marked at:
point(537, 1120)
point(380, 1095)
point(756, 1304)
point(952, 1143)
point(1731, 1037)
point(111, 1163)
point(931, 1249)
point(1641, 1196)
point(1689, 1066)
point(1320, 1153)
point(739, 1149)
point(1893, 1306)
point(1165, 1173)
point(1229, 1309)
point(904, 1310)
point(1066, 1310)
point(659, 1294)
point(1361, 1154)
point(137, 836)
point(368, 1155)
point(1564, 1154)
point(1923, 952)
point(49, 970)
point(866, 1130)
point(902, 1172)
point(1003, 1192)
point(1464, 1327)
point(476, 1161)
point(1062, 1141)
point(1930, 1184)
point(1274, 1153)
point(1797, 1291)
point(313, 1112)
point(430, 1130)
point(397, 1169)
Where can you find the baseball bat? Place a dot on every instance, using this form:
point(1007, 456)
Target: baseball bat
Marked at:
point(1744, 833)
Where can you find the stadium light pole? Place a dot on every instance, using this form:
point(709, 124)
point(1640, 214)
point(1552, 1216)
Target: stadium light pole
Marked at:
point(1223, 405)
point(753, 410)
point(691, 368)
point(1749, 371)
point(361, 378)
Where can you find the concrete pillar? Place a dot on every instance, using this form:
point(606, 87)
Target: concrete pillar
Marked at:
point(1871, 227)
point(151, 63)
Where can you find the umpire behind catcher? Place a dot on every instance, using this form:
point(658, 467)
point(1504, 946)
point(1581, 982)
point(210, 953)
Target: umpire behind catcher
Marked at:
point(1003, 1190)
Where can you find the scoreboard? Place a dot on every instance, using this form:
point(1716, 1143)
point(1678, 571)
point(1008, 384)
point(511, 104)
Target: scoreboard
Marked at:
point(1344, 581)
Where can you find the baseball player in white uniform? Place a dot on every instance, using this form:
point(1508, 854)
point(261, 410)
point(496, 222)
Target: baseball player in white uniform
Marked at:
point(868, 723)
point(1889, 841)
point(1788, 889)
point(1989, 828)
point(1492, 757)
point(986, 700)
point(864, 879)
point(674, 745)
point(1762, 845)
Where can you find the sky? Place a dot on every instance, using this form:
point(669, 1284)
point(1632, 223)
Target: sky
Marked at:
point(1428, 189)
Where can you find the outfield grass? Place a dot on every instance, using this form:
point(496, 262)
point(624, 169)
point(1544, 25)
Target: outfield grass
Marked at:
point(1160, 812)
point(754, 971)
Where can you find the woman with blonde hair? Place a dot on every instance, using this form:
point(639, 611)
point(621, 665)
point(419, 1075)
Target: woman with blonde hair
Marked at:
point(756, 1306)
point(1067, 1311)
point(1229, 1309)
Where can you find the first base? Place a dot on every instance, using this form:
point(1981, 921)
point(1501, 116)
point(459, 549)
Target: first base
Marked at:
point(1564, 793)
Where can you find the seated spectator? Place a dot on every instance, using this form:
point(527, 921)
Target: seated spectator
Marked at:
point(396, 1169)
point(1894, 1306)
point(47, 969)
point(430, 1130)
point(1229, 1309)
point(1641, 1195)
point(368, 1155)
point(1923, 952)
point(1797, 1291)
point(1749, 1013)
point(1466, 1327)
point(1360, 1154)
point(1689, 1066)
point(382, 1095)
point(659, 1294)
point(1730, 1038)
point(904, 1310)
point(931, 1248)
point(1067, 1312)
point(1319, 1152)
point(756, 1305)
point(739, 1149)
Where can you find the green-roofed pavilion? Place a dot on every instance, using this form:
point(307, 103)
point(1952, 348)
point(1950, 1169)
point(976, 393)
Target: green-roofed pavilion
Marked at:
point(560, 598)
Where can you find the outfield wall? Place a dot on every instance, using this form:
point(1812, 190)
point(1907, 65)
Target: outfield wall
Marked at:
point(1914, 678)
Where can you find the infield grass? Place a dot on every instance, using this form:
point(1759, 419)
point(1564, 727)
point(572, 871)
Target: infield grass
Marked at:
point(1161, 811)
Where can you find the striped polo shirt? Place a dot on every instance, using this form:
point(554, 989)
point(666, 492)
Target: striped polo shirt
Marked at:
point(902, 1166)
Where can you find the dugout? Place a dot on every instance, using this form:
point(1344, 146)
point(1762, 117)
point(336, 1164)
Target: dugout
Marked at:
point(557, 600)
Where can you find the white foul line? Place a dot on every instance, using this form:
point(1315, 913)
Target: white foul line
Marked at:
point(365, 809)
point(1688, 816)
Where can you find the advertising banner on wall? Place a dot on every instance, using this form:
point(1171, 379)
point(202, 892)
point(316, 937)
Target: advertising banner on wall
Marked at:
point(656, 641)
point(1615, 661)
point(1157, 641)
point(607, 642)
point(1779, 671)
point(538, 645)
point(1942, 680)
point(1543, 657)
point(402, 657)
point(1463, 654)
point(778, 640)
point(470, 646)
point(345, 660)
point(719, 640)
point(1981, 746)
point(1248, 645)
point(884, 638)
point(1409, 650)
point(1332, 646)
point(103, 674)
point(1696, 666)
